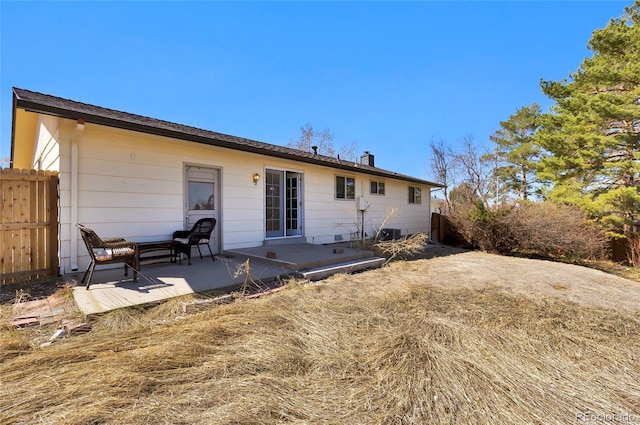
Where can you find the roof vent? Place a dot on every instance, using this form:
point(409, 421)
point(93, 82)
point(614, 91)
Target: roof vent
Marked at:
point(315, 150)
point(367, 159)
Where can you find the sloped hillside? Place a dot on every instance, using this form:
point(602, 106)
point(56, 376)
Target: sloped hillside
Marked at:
point(464, 338)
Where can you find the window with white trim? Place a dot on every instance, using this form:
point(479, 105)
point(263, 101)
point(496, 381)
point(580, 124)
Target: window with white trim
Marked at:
point(345, 187)
point(415, 195)
point(377, 188)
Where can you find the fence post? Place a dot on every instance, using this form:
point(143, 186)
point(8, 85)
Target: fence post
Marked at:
point(52, 251)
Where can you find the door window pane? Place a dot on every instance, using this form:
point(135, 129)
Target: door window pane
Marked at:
point(273, 203)
point(201, 195)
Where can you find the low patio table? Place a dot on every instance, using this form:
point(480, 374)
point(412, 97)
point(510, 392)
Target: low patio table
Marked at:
point(159, 249)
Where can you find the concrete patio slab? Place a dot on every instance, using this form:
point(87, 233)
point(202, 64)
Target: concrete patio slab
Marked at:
point(111, 290)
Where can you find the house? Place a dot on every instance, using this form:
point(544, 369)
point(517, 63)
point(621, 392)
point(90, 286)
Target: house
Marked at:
point(142, 178)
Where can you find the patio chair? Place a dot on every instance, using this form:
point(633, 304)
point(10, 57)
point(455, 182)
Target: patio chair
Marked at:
point(200, 234)
point(108, 251)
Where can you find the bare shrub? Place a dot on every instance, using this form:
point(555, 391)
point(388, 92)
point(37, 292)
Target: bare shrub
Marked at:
point(550, 228)
point(545, 229)
point(465, 216)
point(633, 250)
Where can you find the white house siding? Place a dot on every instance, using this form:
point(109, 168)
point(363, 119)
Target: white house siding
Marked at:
point(47, 152)
point(393, 209)
point(327, 216)
point(132, 185)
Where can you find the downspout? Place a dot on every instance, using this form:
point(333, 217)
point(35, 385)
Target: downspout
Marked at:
point(73, 254)
point(14, 112)
point(429, 235)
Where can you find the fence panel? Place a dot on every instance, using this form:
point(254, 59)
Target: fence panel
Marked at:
point(28, 225)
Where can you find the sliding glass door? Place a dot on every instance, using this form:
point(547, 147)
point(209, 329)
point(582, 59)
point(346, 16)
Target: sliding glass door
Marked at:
point(283, 203)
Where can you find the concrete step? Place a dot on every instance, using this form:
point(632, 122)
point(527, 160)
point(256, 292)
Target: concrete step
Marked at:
point(298, 257)
point(285, 241)
point(353, 266)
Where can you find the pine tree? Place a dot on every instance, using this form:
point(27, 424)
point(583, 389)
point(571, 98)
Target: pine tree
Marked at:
point(516, 154)
point(592, 135)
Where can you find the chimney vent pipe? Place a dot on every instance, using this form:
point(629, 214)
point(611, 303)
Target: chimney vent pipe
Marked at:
point(367, 159)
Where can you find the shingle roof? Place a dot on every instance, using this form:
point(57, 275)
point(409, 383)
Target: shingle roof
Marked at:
point(57, 106)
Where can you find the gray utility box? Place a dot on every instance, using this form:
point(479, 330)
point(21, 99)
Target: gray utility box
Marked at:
point(387, 234)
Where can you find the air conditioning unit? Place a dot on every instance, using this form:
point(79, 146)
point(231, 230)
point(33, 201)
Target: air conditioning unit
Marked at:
point(387, 234)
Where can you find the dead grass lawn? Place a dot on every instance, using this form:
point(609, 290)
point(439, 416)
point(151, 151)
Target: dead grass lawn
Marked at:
point(467, 338)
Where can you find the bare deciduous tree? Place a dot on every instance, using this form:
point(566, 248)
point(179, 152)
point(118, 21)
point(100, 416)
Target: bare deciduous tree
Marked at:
point(323, 142)
point(443, 166)
point(350, 152)
point(474, 171)
point(454, 168)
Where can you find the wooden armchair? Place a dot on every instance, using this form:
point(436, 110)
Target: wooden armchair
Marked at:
point(108, 251)
point(200, 234)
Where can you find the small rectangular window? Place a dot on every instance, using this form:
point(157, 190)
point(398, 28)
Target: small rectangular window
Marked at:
point(415, 195)
point(201, 195)
point(345, 187)
point(377, 188)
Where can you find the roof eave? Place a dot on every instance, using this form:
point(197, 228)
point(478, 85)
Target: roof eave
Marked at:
point(149, 129)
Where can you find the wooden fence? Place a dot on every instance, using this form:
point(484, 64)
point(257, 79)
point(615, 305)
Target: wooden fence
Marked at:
point(28, 225)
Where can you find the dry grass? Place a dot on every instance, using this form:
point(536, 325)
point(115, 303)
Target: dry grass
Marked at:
point(408, 247)
point(626, 272)
point(380, 347)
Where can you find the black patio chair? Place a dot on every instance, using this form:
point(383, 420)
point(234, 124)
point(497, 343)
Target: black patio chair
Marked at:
point(108, 251)
point(200, 234)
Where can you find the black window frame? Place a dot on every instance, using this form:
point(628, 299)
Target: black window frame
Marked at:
point(345, 188)
point(415, 195)
point(378, 185)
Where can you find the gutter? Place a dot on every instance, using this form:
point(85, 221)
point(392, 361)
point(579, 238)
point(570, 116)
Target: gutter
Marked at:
point(212, 139)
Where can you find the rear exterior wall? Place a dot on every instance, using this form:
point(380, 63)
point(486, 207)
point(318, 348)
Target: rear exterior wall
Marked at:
point(132, 185)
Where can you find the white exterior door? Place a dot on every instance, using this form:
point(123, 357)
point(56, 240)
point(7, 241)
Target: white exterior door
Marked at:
point(293, 204)
point(202, 199)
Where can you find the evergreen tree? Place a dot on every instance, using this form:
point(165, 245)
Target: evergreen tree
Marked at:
point(516, 154)
point(592, 135)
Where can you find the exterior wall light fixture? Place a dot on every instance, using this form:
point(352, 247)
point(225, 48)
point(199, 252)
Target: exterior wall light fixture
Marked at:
point(256, 178)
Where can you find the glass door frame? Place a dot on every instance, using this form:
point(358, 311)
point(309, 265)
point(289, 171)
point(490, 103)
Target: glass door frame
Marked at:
point(283, 207)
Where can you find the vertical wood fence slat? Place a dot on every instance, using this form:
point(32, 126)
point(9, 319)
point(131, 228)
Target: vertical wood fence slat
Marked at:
point(33, 257)
point(52, 233)
point(5, 236)
point(28, 225)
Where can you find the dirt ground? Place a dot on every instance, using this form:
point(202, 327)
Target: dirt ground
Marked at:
point(447, 266)
point(451, 267)
point(451, 337)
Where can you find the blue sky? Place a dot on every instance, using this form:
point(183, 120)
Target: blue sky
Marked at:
point(391, 76)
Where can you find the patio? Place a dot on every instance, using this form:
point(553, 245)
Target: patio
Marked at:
point(157, 282)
